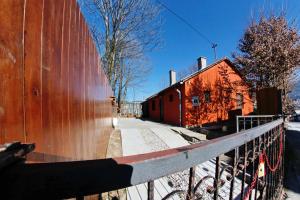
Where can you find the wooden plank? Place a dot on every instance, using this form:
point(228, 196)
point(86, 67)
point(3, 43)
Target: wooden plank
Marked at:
point(157, 195)
point(94, 132)
point(160, 188)
point(64, 81)
point(142, 190)
point(52, 108)
point(164, 182)
point(133, 193)
point(90, 103)
point(11, 71)
point(60, 140)
point(56, 104)
point(88, 137)
point(82, 86)
point(46, 81)
point(72, 87)
point(33, 79)
point(76, 85)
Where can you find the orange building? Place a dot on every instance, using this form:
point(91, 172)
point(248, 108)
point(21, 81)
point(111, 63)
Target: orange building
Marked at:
point(209, 95)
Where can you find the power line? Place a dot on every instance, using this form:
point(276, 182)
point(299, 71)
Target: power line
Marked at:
point(213, 45)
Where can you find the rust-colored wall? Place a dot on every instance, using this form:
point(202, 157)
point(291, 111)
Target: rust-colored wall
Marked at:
point(211, 80)
point(53, 90)
point(171, 108)
point(154, 114)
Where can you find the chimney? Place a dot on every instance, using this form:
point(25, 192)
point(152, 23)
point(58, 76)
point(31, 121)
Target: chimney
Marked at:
point(172, 74)
point(201, 63)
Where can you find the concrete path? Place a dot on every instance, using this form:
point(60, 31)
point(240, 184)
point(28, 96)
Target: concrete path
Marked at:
point(189, 135)
point(292, 161)
point(144, 136)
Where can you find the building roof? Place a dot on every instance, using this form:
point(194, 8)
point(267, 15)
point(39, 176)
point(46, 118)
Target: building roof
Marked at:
point(196, 73)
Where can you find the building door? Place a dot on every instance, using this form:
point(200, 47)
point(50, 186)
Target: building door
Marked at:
point(161, 108)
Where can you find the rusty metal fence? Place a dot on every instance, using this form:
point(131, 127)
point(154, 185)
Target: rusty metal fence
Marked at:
point(256, 160)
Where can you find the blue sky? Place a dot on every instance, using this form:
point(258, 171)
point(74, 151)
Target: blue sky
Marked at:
point(223, 22)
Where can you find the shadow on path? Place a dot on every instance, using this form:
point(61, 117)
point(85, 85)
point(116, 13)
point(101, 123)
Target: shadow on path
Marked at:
point(292, 164)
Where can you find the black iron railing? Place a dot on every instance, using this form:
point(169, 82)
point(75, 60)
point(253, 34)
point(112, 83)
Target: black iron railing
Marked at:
point(255, 161)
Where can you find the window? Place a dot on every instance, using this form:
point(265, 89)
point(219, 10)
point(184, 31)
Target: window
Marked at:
point(170, 97)
point(239, 101)
point(195, 100)
point(207, 98)
point(153, 105)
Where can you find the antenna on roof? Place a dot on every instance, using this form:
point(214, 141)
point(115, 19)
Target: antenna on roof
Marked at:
point(213, 45)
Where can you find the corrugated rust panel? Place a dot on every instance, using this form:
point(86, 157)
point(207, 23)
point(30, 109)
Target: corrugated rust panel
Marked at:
point(60, 83)
point(11, 70)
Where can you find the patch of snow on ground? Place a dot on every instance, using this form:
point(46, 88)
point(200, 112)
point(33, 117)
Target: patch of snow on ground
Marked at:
point(295, 126)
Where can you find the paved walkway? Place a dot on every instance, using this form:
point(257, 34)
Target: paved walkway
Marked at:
point(292, 161)
point(144, 136)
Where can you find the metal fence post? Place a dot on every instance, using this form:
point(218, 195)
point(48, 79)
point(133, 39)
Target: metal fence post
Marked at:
point(244, 170)
point(150, 190)
point(234, 168)
point(237, 124)
point(191, 194)
point(217, 178)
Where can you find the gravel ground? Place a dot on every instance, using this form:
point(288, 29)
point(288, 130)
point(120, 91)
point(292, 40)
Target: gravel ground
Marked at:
point(179, 180)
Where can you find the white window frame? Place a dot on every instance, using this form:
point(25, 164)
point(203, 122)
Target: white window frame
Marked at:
point(195, 101)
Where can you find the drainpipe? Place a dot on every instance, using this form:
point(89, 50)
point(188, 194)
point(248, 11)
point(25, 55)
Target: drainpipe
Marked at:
point(179, 96)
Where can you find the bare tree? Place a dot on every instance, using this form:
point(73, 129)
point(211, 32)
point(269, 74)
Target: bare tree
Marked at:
point(124, 30)
point(269, 53)
point(133, 75)
point(187, 71)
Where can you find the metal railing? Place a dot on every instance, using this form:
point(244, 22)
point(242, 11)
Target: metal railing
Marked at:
point(250, 121)
point(255, 160)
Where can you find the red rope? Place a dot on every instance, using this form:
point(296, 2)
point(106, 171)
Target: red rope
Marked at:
point(271, 168)
point(253, 183)
point(274, 168)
